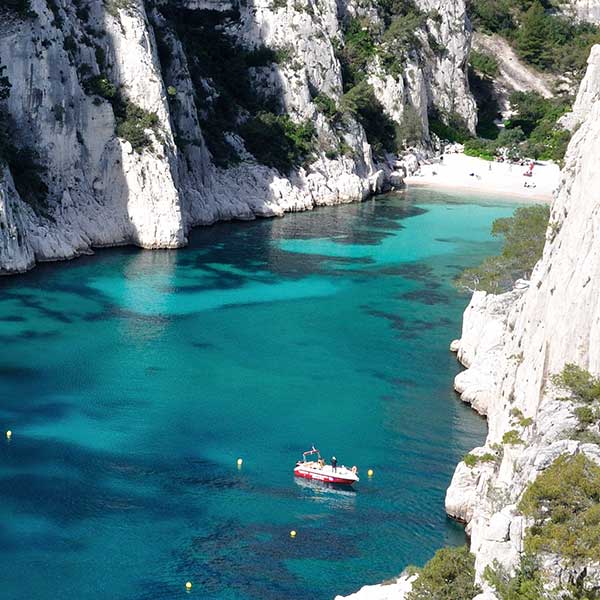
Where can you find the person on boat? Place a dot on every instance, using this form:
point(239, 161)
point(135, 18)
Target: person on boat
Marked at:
point(334, 463)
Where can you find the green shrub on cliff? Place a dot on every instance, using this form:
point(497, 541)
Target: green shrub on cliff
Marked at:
point(276, 141)
point(326, 105)
point(564, 503)
point(24, 163)
point(450, 127)
point(392, 43)
point(512, 438)
point(582, 385)
point(537, 117)
point(133, 122)
point(358, 49)
point(362, 102)
point(583, 388)
point(542, 36)
point(524, 236)
point(525, 584)
point(223, 74)
point(472, 460)
point(484, 63)
point(449, 575)
point(491, 16)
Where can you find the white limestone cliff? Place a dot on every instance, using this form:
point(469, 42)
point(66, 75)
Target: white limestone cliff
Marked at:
point(102, 191)
point(584, 10)
point(395, 589)
point(589, 93)
point(513, 343)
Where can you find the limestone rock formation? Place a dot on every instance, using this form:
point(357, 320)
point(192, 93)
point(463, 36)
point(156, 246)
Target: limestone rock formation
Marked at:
point(513, 343)
point(390, 590)
point(589, 93)
point(585, 10)
point(116, 131)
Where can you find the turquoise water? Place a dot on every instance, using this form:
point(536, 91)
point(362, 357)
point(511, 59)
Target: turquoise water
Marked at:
point(133, 380)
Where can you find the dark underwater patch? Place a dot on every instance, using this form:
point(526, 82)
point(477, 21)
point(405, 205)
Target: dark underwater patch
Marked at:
point(12, 319)
point(17, 372)
point(413, 271)
point(429, 297)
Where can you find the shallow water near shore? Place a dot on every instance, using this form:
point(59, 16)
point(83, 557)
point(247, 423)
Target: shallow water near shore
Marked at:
point(133, 380)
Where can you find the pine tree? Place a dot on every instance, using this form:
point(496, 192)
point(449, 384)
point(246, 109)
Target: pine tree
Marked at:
point(532, 41)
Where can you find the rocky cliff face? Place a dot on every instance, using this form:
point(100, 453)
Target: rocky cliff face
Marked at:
point(126, 121)
point(585, 10)
point(513, 343)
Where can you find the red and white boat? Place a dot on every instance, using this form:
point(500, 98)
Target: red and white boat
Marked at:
point(312, 466)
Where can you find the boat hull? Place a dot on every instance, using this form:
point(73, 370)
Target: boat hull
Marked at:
point(326, 477)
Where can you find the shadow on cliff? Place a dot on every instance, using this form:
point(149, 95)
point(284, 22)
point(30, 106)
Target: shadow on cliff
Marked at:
point(231, 72)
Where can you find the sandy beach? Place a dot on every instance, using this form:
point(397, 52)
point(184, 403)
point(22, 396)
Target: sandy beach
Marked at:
point(457, 171)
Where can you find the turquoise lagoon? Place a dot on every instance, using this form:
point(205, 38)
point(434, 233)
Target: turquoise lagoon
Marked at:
point(133, 380)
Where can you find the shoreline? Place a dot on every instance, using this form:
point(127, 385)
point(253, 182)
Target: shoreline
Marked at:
point(467, 174)
point(474, 191)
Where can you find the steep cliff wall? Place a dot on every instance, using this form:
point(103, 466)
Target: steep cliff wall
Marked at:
point(585, 10)
point(126, 121)
point(513, 343)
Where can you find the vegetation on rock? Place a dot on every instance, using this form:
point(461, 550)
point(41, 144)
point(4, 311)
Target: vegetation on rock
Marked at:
point(564, 503)
point(227, 97)
point(380, 130)
point(582, 385)
point(471, 460)
point(512, 438)
point(100, 85)
point(484, 63)
point(404, 34)
point(483, 68)
point(449, 575)
point(449, 127)
point(537, 118)
point(326, 105)
point(525, 584)
point(276, 141)
point(524, 237)
point(584, 389)
point(133, 122)
point(23, 163)
point(541, 36)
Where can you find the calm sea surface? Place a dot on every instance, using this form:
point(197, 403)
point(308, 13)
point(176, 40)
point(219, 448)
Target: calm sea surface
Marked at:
point(133, 380)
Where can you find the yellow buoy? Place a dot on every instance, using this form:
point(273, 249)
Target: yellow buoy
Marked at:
point(9, 434)
point(188, 585)
point(370, 472)
point(240, 461)
point(292, 533)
